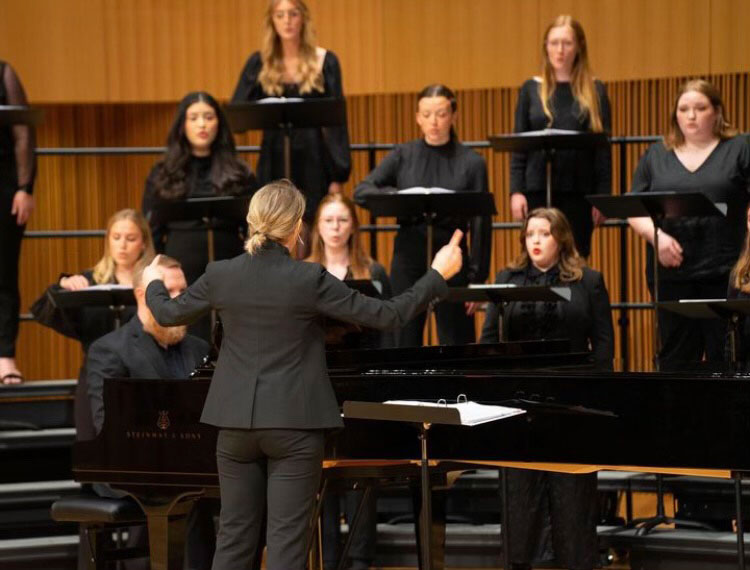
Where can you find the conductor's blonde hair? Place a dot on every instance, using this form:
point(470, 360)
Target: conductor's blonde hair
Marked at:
point(275, 213)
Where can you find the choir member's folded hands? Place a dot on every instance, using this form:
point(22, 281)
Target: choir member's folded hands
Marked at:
point(670, 251)
point(448, 260)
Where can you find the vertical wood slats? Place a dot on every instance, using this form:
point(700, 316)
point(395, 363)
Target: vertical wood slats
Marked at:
point(81, 192)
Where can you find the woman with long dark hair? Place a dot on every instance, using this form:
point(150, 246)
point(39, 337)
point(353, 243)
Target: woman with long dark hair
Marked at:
point(200, 162)
point(437, 159)
point(567, 97)
point(290, 64)
point(538, 500)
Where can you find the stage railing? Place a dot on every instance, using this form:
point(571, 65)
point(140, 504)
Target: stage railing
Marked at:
point(620, 145)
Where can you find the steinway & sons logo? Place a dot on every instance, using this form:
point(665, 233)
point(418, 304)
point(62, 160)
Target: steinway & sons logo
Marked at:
point(163, 423)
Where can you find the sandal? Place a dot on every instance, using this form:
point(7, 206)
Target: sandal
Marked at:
point(12, 378)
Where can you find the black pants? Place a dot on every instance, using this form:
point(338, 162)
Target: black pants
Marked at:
point(685, 341)
point(362, 550)
point(10, 299)
point(277, 470)
point(553, 507)
point(454, 327)
point(576, 208)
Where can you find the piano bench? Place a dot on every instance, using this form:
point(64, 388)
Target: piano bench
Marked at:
point(93, 510)
point(100, 518)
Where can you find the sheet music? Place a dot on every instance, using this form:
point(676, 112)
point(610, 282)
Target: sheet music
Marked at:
point(422, 190)
point(471, 413)
point(280, 100)
point(107, 287)
point(548, 132)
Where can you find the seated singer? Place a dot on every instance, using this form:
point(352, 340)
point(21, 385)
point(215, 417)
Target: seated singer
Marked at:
point(127, 247)
point(143, 348)
point(549, 257)
point(436, 160)
point(270, 395)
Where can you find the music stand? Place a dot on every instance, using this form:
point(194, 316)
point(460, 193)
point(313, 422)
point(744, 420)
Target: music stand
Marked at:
point(430, 206)
point(19, 115)
point(507, 292)
point(423, 417)
point(227, 208)
point(658, 206)
point(729, 309)
point(115, 299)
point(286, 114)
point(547, 141)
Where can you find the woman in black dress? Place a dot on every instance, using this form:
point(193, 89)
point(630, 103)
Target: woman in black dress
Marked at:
point(549, 257)
point(17, 171)
point(436, 160)
point(127, 246)
point(567, 97)
point(700, 153)
point(200, 162)
point(289, 64)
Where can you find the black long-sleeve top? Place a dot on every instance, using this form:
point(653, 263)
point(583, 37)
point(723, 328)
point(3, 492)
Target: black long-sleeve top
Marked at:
point(710, 245)
point(452, 166)
point(17, 144)
point(573, 171)
point(586, 319)
point(319, 155)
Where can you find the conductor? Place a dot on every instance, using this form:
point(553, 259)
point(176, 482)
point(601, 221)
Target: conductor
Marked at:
point(270, 396)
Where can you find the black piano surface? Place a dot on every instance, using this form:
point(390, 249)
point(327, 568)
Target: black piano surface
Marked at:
point(154, 446)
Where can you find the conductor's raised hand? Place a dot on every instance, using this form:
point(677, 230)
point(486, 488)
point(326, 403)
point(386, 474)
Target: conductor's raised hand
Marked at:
point(152, 272)
point(448, 260)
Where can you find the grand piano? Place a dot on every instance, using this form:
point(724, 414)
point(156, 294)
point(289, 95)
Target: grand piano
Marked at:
point(578, 419)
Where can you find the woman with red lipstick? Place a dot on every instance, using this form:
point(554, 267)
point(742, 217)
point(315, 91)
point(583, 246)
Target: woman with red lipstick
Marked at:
point(200, 162)
point(289, 64)
point(127, 245)
point(566, 96)
point(549, 257)
point(438, 159)
point(700, 153)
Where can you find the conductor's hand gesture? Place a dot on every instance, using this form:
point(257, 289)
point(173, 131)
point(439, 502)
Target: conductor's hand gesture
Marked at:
point(448, 260)
point(152, 272)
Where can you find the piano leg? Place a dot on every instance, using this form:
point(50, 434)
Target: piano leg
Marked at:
point(166, 516)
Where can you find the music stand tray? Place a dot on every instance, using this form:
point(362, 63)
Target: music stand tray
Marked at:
point(286, 114)
point(729, 309)
point(507, 292)
point(548, 141)
point(116, 299)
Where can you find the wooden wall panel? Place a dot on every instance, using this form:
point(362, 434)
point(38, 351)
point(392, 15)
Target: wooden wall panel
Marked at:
point(81, 192)
point(73, 51)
